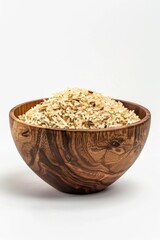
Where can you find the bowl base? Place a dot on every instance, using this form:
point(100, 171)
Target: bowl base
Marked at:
point(83, 191)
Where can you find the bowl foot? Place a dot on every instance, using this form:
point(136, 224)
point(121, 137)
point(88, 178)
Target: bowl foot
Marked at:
point(83, 191)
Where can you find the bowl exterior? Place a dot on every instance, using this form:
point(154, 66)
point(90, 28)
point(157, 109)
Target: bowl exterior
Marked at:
point(79, 161)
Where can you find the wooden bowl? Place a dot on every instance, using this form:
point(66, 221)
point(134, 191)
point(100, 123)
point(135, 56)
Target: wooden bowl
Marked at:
point(79, 161)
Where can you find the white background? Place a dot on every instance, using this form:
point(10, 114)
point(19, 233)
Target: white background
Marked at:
point(112, 47)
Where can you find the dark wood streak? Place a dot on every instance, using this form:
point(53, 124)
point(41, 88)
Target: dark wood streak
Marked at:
point(25, 133)
point(79, 161)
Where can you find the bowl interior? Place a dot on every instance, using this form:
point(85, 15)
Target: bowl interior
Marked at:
point(139, 110)
point(24, 107)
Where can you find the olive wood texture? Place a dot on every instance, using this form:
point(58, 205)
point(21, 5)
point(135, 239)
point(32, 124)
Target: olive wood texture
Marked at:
point(79, 161)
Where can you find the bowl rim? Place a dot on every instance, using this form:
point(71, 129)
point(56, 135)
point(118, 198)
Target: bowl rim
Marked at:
point(143, 120)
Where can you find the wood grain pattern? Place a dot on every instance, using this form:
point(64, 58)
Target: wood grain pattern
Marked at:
point(79, 161)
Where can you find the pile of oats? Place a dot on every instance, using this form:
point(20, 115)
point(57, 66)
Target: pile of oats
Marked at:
point(79, 109)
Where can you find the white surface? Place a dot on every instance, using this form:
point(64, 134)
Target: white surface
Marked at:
point(108, 46)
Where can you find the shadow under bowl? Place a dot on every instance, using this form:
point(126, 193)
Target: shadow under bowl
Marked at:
point(79, 161)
